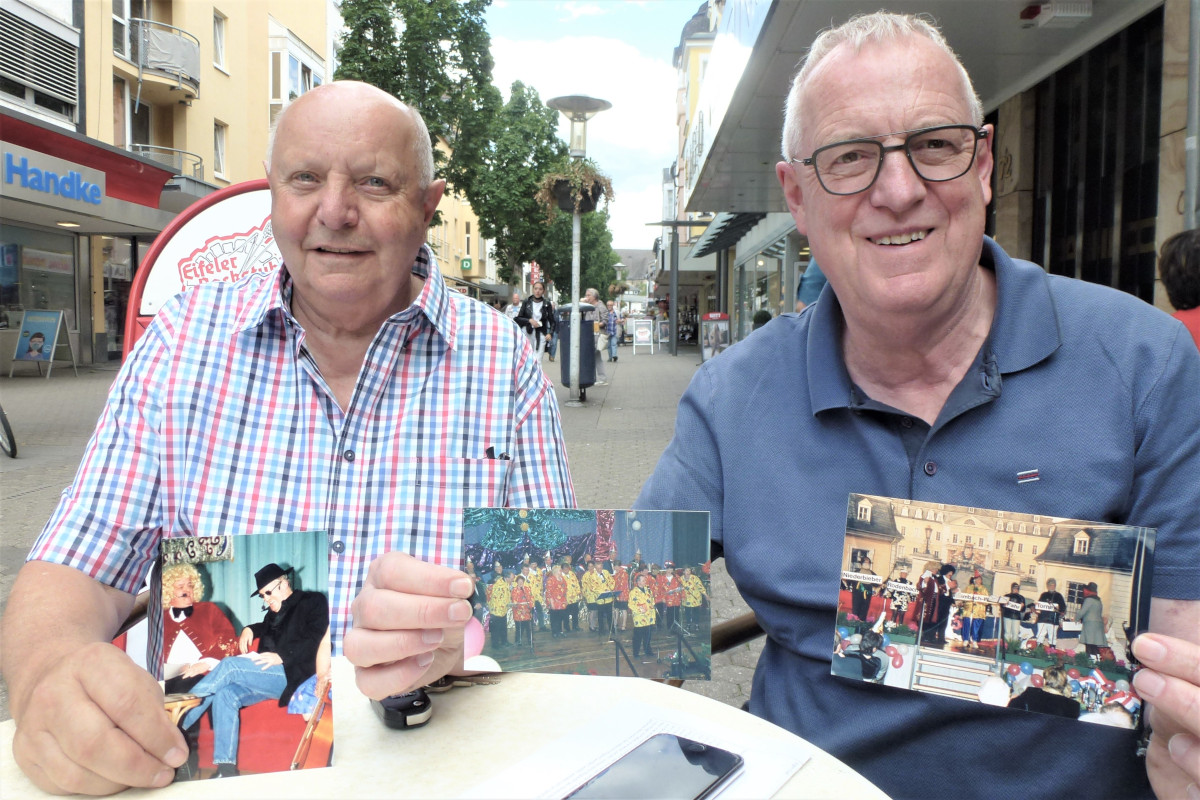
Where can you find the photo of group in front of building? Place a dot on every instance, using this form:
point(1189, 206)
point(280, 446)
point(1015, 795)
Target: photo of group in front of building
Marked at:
point(1009, 609)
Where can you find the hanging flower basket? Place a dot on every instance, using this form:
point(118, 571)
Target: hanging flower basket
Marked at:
point(578, 186)
point(583, 201)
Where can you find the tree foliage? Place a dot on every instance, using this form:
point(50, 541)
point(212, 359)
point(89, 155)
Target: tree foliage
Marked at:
point(524, 147)
point(436, 56)
point(596, 255)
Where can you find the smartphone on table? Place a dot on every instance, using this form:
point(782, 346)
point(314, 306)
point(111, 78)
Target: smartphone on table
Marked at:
point(664, 767)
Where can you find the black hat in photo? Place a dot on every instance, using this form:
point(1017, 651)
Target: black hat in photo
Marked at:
point(266, 575)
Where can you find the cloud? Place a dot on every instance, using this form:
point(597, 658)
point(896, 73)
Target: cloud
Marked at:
point(574, 11)
point(634, 140)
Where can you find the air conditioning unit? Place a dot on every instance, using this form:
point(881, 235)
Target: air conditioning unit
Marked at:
point(1056, 14)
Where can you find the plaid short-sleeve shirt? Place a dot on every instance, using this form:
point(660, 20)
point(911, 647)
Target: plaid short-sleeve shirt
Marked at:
point(221, 423)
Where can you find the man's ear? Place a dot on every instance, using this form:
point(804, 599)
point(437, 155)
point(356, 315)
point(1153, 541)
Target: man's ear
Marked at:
point(984, 163)
point(433, 196)
point(793, 193)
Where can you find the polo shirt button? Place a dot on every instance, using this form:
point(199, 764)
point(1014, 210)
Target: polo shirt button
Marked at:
point(930, 467)
point(339, 546)
point(906, 422)
point(348, 455)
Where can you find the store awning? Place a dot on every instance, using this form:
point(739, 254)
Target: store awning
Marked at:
point(724, 232)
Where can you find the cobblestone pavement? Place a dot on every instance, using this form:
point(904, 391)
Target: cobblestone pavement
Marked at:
point(613, 443)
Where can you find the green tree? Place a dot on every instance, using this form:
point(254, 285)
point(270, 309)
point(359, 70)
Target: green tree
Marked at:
point(596, 255)
point(436, 56)
point(524, 145)
point(369, 47)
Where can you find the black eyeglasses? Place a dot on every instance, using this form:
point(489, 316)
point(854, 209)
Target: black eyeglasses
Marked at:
point(937, 154)
point(265, 593)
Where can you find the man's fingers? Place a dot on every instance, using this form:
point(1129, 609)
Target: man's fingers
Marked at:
point(1169, 656)
point(395, 678)
point(401, 572)
point(382, 609)
point(134, 705)
point(81, 751)
point(44, 762)
point(381, 676)
point(370, 648)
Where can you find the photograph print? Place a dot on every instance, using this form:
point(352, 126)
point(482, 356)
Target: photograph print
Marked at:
point(1026, 611)
point(592, 592)
point(246, 651)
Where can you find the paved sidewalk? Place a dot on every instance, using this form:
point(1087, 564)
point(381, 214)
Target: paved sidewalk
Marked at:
point(613, 443)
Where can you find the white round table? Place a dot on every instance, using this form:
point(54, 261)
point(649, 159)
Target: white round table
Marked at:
point(453, 753)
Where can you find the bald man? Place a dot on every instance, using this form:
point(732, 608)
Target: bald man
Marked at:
point(328, 394)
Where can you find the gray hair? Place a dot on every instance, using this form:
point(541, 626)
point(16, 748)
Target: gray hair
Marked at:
point(857, 31)
point(590, 292)
point(422, 144)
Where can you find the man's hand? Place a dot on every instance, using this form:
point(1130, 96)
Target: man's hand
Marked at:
point(245, 640)
point(88, 718)
point(266, 660)
point(408, 625)
point(95, 724)
point(1170, 682)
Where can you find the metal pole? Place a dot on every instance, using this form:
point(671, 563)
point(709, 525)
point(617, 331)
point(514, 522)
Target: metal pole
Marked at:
point(575, 320)
point(1191, 141)
point(674, 291)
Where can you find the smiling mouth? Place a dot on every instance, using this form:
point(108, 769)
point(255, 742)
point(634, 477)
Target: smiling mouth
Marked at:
point(340, 251)
point(902, 238)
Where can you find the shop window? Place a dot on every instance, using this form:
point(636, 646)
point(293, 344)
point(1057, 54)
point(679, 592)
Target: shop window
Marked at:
point(37, 271)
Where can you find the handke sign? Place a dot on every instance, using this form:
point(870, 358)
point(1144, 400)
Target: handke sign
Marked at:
point(34, 176)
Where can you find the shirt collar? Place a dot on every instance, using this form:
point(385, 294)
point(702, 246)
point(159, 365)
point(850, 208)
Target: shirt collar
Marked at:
point(273, 298)
point(1024, 330)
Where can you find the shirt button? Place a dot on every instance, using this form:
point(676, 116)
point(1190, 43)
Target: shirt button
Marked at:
point(930, 467)
point(339, 546)
point(906, 422)
point(348, 455)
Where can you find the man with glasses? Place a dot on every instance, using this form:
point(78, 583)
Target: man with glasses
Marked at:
point(293, 645)
point(938, 368)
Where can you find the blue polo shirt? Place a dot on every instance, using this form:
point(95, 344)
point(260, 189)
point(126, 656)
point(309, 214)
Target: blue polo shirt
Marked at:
point(1095, 389)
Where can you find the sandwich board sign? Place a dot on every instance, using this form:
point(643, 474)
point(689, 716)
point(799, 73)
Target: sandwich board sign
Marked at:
point(43, 332)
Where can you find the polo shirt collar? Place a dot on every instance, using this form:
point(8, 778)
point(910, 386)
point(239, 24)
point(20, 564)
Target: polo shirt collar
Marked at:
point(272, 298)
point(1024, 332)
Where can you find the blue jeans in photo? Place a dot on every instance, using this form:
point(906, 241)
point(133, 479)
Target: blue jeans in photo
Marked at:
point(235, 683)
point(612, 346)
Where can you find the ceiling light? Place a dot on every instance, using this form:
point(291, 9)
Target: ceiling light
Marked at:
point(67, 224)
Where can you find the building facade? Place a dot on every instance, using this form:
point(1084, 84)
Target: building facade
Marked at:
point(153, 105)
point(1089, 104)
point(156, 103)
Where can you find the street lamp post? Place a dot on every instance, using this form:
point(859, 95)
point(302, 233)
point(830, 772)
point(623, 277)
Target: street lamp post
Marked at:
point(577, 109)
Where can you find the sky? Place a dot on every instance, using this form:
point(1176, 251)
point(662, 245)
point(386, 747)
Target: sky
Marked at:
point(616, 50)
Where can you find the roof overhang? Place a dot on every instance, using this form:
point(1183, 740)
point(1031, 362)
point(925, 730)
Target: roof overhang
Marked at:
point(761, 42)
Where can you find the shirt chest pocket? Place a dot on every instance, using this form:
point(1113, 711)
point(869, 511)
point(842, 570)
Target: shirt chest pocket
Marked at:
point(452, 484)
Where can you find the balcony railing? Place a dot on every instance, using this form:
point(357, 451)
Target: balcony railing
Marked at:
point(181, 161)
point(163, 49)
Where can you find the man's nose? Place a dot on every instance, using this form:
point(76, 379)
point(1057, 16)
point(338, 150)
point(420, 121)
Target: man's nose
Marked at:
point(338, 205)
point(897, 185)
